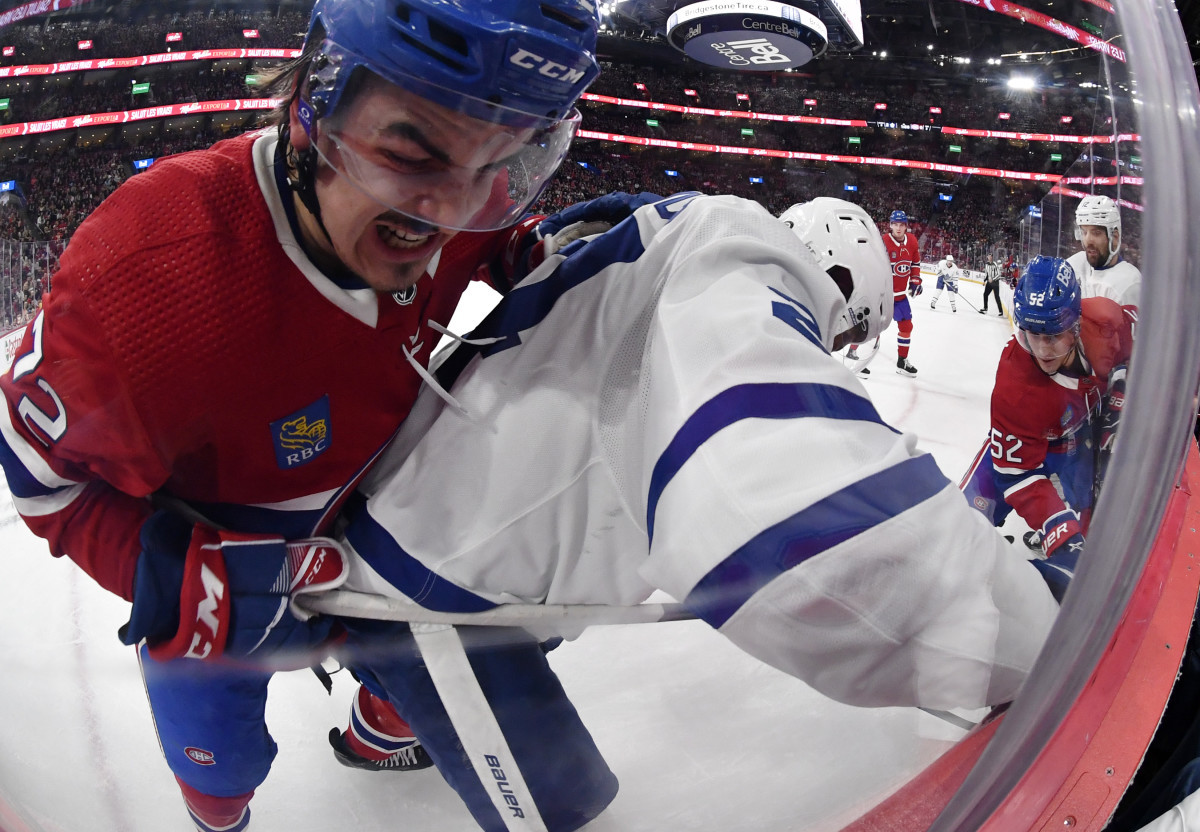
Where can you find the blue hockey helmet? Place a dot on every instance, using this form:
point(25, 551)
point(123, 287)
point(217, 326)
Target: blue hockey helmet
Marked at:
point(1048, 300)
point(898, 216)
point(497, 60)
point(506, 75)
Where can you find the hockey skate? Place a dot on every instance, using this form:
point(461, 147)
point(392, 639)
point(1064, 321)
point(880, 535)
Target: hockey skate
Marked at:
point(412, 758)
point(904, 368)
point(982, 311)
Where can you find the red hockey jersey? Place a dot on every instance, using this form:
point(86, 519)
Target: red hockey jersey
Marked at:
point(905, 260)
point(1041, 425)
point(189, 349)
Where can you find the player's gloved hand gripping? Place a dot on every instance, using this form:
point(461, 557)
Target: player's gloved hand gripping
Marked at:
point(208, 594)
point(1062, 541)
point(1110, 421)
point(583, 219)
point(914, 286)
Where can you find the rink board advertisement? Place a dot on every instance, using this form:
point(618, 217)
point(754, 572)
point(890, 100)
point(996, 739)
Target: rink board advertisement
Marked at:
point(9, 342)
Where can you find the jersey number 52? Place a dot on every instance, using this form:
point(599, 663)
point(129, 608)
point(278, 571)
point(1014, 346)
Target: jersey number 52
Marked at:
point(1004, 448)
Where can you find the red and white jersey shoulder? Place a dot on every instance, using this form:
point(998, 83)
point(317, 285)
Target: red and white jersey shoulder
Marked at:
point(189, 348)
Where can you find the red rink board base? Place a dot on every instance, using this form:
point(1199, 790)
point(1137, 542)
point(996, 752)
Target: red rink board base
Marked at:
point(1104, 737)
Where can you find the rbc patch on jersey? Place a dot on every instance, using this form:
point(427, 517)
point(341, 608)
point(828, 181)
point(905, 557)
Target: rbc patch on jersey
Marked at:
point(302, 436)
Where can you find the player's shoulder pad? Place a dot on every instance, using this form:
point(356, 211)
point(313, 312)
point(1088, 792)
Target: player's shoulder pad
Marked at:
point(699, 219)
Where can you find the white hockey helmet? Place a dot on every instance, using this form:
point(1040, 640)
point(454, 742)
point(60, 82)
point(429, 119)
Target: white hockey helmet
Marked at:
point(849, 248)
point(1103, 211)
point(949, 258)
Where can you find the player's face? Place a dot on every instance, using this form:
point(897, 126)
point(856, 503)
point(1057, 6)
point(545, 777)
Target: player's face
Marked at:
point(397, 173)
point(1051, 352)
point(898, 229)
point(1094, 239)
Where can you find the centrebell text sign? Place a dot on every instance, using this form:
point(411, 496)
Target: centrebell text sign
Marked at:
point(747, 35)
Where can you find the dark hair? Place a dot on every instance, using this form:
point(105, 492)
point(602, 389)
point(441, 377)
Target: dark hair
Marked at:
point(286, 82)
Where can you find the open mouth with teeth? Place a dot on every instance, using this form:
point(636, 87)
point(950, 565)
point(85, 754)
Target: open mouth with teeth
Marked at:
point(401, 238)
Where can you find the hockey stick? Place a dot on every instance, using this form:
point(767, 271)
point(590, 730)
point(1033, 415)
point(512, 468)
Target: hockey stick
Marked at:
point(571, 616)
point(954, 719)
point(475, 723)
point(964, 297)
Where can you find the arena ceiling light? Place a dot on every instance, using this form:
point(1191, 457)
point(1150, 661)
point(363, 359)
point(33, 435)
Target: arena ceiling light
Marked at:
point(1023, 83)
point(747, 35)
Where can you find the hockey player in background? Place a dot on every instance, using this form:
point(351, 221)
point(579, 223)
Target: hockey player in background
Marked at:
point(1099, 267)
point(905, 260)
point(991, 286)
point(658, 407)
point(947, 278)
point(1055, 410)
point(236, 333)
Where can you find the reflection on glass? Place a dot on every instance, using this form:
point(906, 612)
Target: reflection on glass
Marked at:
point(1018, 161)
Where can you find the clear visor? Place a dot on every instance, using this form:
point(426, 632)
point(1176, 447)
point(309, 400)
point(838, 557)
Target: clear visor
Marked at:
point(443, 167)
point(1047, 347)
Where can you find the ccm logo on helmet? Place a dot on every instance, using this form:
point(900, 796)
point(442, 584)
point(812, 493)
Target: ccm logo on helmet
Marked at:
point(544, 66)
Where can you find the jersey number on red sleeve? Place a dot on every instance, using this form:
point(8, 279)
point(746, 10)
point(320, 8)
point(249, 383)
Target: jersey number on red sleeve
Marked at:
point(33, 416)
point(1004, 448)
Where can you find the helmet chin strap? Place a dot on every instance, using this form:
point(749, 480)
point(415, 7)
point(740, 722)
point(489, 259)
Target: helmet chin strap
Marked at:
point(304, 181)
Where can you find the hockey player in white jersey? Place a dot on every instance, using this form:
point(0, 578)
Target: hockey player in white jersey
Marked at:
point(658, 408)
point(1099, 267)
point(947, 278)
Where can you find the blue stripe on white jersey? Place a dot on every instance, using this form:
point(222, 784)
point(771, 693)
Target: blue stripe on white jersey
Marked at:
point(379, 550)
point(842, 515)
point(752, 401)
point(528, 304)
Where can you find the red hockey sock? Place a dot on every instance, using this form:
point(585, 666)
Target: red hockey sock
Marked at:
point(376, 731)
point(219, 814)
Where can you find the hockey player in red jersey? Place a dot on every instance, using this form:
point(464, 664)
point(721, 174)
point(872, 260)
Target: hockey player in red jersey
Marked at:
point(906, 281)
point(1058, 393)
point(235, 334)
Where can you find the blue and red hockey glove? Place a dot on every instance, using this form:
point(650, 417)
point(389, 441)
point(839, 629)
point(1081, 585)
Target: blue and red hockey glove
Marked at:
point(536, 238)
point(914, 286)
point(207, 594)
point(1110, 421)
point(1062, 542)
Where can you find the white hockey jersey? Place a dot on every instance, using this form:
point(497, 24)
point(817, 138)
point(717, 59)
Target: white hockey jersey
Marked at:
point(948, 273)
point(658, 408)
point(1121, 281)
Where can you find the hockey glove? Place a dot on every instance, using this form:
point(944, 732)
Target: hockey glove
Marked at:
point(1062, 542)
point(574, 222)
point(207, 594)
point(1110, 420)
point(914, 287)
point(1058, 569)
